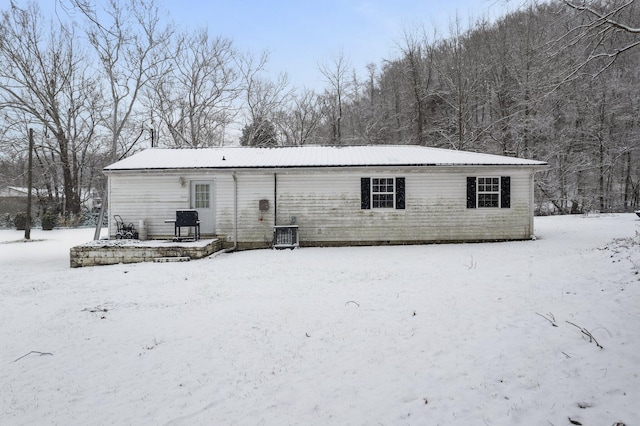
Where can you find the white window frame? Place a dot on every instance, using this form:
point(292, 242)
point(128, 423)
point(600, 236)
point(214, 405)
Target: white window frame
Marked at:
point(202, 198)
point(485, 191)
point(384, 193)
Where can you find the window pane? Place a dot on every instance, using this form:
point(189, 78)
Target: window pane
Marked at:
point(382, 200)
point(488, 200)
point(495, 184)
point(202, 196)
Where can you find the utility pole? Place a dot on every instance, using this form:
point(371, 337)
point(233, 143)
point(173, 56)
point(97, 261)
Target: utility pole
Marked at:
point(27, 226)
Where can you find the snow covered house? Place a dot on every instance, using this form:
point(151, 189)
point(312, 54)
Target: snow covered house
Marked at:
point(13, 199)
point(327, 196)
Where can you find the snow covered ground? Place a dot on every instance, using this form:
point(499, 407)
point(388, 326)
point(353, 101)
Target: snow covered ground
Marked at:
point(461, 334)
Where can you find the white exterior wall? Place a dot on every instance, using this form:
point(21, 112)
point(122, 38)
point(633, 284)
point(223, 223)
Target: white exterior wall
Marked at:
point(325, 204)
point(327, 207)
point(155, 196)
point(150, 197)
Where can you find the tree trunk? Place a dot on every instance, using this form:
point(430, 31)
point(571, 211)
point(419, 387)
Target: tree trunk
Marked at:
point(27, 225)
point(601, 171)
point(71, 200)
point(627, 182)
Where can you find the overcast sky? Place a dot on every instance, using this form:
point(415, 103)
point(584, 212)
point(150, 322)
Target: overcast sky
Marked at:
point(300, 34)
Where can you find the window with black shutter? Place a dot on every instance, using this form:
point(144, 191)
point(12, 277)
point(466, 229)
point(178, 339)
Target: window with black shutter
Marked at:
point(488, 192)
point(382, 193)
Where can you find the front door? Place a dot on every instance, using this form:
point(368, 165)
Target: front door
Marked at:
point(202, 201)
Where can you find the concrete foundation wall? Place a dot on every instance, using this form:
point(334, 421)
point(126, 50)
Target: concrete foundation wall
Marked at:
point(111, 253)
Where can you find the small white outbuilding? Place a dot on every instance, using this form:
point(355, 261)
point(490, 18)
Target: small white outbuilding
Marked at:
point(327, 196)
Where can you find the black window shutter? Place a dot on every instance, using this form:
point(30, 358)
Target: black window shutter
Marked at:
point(365, 193)
point(505, 192)
point(471, 192)
point(400, 193)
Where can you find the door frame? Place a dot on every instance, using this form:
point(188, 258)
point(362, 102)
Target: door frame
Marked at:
point(207, 222)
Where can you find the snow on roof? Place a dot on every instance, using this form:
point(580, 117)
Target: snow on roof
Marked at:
point(309, 156)
point(17, 191)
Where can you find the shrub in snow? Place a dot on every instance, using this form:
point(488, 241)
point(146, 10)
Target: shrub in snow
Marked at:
point(6, 222)
point(20, 221)
point(49, 221)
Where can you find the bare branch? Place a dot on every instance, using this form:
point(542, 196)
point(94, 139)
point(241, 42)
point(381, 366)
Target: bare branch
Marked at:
point(549, 317)
point(32, 352)
point(605, 18)
point(586, 333)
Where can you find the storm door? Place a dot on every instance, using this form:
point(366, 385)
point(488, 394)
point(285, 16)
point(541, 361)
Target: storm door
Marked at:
point(202, 201)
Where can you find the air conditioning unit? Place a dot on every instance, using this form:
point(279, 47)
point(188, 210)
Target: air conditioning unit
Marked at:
point(285, 236)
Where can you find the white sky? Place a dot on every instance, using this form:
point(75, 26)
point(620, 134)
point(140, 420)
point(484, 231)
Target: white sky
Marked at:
point(300, 34)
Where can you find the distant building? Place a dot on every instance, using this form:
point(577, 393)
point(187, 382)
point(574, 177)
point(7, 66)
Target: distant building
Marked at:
point(13, 199)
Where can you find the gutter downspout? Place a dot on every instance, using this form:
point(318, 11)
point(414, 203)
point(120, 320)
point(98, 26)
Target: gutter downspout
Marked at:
point(532, 206)
point(275, 199)
point(235, 212)
point(235, 219)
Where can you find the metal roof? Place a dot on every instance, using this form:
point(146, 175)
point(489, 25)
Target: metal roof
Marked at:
point(310, 156)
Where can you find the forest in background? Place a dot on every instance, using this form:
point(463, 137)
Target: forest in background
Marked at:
point(555, 81)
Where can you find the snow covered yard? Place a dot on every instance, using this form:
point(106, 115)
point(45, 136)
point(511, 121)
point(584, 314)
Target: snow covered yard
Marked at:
point(464, 334)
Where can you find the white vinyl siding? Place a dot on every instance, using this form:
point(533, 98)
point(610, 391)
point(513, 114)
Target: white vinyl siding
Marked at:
point(326, 204)
point(327, 208)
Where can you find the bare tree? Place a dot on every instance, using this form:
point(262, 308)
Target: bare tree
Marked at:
point(336, 74)
point(264, 98)
point(299, 120)
point(394, 106)
point(193, 93)
point(606, 29)
point(45, 81)
point(418, 59)
point(127, 38)
point(363, 114)
point(460, 74)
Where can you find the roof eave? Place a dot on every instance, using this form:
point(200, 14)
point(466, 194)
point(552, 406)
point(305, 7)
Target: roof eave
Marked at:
point(541, 166)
